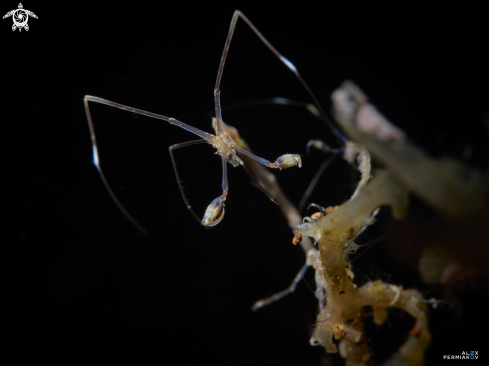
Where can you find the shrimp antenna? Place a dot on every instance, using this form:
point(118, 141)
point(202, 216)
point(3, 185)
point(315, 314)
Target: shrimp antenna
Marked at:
point(339, 136)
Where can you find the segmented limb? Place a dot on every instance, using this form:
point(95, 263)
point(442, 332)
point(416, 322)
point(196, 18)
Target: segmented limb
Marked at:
point(259, 185)
point(322, 146)
point(283, 162)
point(268, 181)
point(275, 297)
point(278, 101)
point(351, 152)
point(321, 209)
point(227, 147)
point(215, 211)
point(237, 14)
point(206, 136)
point(315, 180)
point(170, 149)
point(89, 98)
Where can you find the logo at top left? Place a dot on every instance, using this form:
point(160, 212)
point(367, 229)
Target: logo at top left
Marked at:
point(20, 17)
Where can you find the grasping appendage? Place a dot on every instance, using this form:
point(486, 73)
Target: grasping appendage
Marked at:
point(355, 154)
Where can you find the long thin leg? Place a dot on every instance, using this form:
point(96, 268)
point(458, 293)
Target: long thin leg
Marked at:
point(275, 297)
point(215, 211)
point(341, 139)
point(224, 184)
point(276, 100)
point(285, 161)
point(315, 180)
point(222, 198)
point(350, 150)
point(207, 136)
point(113, 196)
point(96, 160)
point(321, 145)
point(259, 185)
point(170, 149)
point(311, 108)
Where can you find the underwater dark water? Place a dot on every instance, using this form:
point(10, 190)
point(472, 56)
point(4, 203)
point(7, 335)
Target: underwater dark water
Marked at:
point(83, 283)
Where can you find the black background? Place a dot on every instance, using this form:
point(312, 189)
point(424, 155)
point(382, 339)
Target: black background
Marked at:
point(82, 282)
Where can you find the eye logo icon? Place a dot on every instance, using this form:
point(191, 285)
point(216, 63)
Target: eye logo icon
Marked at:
point(20, 17)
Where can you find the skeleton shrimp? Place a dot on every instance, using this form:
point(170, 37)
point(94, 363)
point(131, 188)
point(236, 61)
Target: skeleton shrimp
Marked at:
point(226, 147)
